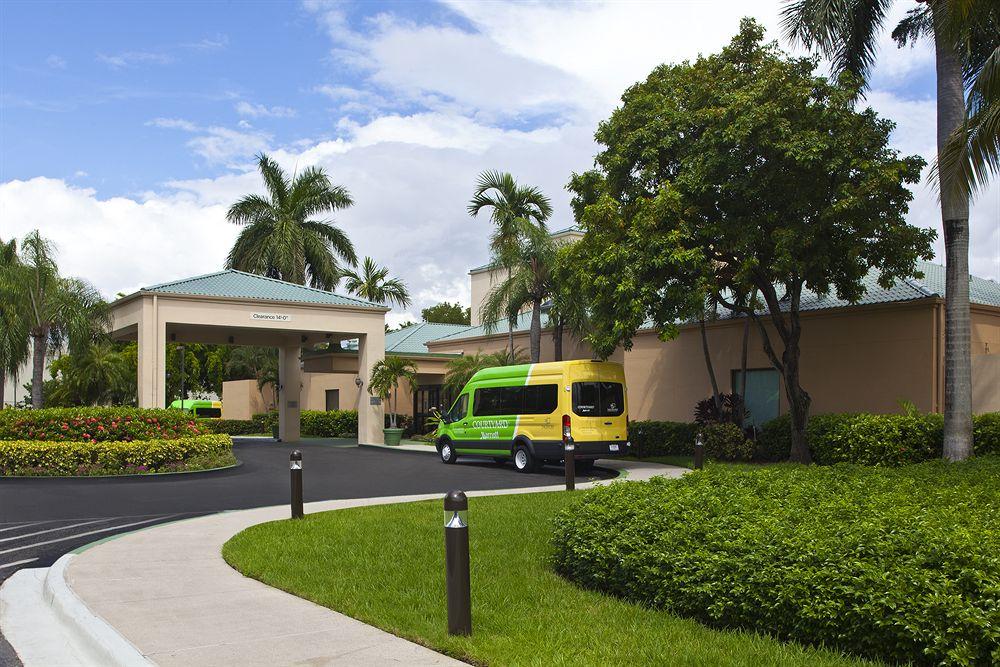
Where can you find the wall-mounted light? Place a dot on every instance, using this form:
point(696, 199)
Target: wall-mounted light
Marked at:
point(358, 382)
point(305, 338)
point(232, 340)
point(173, 337)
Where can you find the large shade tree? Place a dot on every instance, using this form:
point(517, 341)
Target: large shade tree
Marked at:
point(59, 312)
point(966, 35)
point(281, 237)
point(741, 171)
point(373, 283)
point(15, 348)
point(512, 206)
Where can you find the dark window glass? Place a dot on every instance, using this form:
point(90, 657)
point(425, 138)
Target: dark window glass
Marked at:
point(541, 399)
point(612, 399)
point(486, 402)
point(511, 400)
point(460, 408)
point(586, 396)
point(208, 413)
point(598, 399)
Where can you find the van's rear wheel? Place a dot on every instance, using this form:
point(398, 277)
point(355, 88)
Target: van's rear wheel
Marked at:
point(523, 460)
point(447, 452)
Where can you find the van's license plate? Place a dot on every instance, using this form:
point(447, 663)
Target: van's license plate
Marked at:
point(613, 447)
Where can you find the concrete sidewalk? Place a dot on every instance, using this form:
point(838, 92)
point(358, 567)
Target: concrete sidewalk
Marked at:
point(168, 591)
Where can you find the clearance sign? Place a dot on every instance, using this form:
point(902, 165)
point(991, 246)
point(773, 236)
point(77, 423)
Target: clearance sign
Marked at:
point(270, 317)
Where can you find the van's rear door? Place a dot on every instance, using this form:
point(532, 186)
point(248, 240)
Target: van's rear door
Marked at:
point(599, 405)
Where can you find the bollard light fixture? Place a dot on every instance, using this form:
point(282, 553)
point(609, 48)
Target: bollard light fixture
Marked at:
point(295, 465)
point(456, 557)
point(699, 452)
point(569, 453)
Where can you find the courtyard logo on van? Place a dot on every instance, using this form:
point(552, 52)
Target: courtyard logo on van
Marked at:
point(490, 423)
point(271, 317)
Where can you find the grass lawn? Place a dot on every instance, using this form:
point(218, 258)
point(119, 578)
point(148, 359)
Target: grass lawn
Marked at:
point(384, 565)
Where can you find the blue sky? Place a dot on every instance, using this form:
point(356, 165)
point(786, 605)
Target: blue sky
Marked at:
point(136, 123)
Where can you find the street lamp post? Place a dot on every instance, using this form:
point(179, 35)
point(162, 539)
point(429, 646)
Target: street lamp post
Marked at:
point(180, 348)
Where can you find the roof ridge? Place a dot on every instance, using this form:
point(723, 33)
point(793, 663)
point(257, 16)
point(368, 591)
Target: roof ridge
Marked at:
point(413, 329)
point(306, 287)
point(184, 280)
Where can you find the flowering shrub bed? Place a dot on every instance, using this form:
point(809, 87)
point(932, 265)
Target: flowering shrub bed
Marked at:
point(899, 564)
point(114, 457)
point(96, 424)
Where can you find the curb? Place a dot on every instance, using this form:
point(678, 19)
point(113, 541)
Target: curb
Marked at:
point(104, 644)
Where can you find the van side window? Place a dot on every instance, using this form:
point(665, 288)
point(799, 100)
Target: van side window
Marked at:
point(598, 399)
point(534, 400)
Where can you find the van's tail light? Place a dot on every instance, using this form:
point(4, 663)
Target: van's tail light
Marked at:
point(566, 428)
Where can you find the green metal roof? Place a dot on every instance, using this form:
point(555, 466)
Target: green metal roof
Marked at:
point(413, 339)
point(981, 291)
point(240, 285)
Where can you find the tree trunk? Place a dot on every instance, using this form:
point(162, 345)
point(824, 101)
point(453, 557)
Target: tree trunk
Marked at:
point(711, 369)
point(955, 220)
point(3, 387)
point(39, 341)
point(798, 399)
point(536, 330)
point(510, 327)
point(744, 356)
point(557, 340)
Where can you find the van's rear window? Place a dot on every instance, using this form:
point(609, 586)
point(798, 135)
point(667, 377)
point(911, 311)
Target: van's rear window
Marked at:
point(208, 413)
point(598, 399)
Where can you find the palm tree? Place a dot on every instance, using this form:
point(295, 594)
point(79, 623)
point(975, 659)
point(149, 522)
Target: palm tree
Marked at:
point(568, 305)
point(461, 370)
point(280, 240)
point(58, 310)
point(528, 283)
point(846, 32)
point(374, 284)
point(256, 363)
point(14, 339)
point(510, 206)
point(385, 378)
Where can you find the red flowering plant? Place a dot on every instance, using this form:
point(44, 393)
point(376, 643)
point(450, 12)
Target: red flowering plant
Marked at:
point(96, 424)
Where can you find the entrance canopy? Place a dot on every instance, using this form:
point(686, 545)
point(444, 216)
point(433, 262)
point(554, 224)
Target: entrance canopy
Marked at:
point(236, 308)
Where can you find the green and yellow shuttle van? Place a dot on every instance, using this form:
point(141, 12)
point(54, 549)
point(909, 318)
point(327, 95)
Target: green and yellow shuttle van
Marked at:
point(199, 408)
point(523, 412)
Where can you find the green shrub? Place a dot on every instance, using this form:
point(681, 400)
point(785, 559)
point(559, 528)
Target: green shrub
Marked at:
point(873, 439)
point(330, 424)
point(660, 438)
point(47, 457)
point(726, 442)
point(229, 426)
point(97, 424)
point(899, 564)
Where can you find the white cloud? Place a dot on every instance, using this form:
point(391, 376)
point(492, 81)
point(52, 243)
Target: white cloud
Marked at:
point(133, 58)
point(245, 108)
point(55, 62)
point(219, 145)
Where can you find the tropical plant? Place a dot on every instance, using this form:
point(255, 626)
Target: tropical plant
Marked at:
point(385, 378)
point(59, 311)
point(100, 374)
point(528, 283)
point(729, 408)
point(568, 309)
point(280, 239)
point(15, 348)
point(460, 370)
point(780, 186)
point(510, 205)
point(374, 284)
point(965, 35)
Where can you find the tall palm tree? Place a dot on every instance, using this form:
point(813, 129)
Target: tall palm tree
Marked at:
point(460, 370)
point(280, 240)
point(528, 282)
point(58, 310)
point(14, 339)
point(374, 284)
point(846, 32)
point(510, 206)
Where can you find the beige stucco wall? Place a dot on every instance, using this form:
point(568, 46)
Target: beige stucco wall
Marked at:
point(985, 360)
point(242, 400)
point(480, 282)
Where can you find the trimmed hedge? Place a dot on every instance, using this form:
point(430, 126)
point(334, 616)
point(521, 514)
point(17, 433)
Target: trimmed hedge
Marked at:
point(659, 438)
point(98, 424)
point(328, 423)
point(230, 426)
point(47, 457)
point(899, 564)
point(870, 439)
point(725, 441)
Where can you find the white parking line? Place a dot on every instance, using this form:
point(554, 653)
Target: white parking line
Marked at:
point(89, 532)
point(18, 562)
point(52, 530)
point(14, 525)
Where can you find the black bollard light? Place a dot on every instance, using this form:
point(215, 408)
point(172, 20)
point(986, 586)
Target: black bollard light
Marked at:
point(569, 454)
point(699, 452)
point(295, 464)
point(456, 556)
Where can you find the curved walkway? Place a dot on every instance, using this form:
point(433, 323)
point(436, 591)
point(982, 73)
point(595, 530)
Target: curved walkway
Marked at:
point(169, 593)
